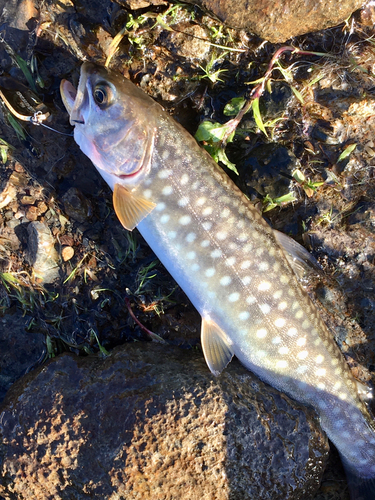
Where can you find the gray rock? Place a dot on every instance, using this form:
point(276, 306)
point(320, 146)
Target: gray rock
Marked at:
point(76, 205)
point(19, 350)
point(41, 252)
point(150, 421)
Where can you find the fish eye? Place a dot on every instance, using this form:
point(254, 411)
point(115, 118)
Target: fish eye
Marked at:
point(102, 95)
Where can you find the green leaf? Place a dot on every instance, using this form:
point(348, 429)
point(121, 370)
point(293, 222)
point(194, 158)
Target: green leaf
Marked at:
point(3, 152)
point(212, 131)
point(299, 176)
point(347, 151)
point(17, 127)
point(234, 106)
point(25, 70)
point(298, 94)
point(224, 159)
point(258, 116)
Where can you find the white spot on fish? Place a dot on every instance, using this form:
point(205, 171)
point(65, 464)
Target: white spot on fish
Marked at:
point(221, 235)
point(337, 385)
point(196, 185)
point(191, 255)
point(261, 333)
point(302, 355)
point(242, 237)
point(165, 218)
point(225, 213)
point(205, 243)
point(245, 264)
point(263, 266)
point(282, 306)
point(265, 308)
point(184, 179)
point(244, 315)
point(320, 372)
point(215, 254)
point(306, 324)
point(277, 294)
point(246, 280)
point(283, 350)
point(225, 280)
point(230, 261)
point(264, 286)
point(190, 237)
point(195, 267)
point(280, 322)
point(276, 267)
point(233, 297)
point(319, 359)
point(284, 279)
point(167, 190)
point(301, 341)
point(160, 206)
point(276, 340)
point(210, 272)
point(302, 369)
point(182, 202)
point(165, 154)
point(172, 235)
point(201, 201)
point(207, 211)
point(164, 174)
point(281, 364)
point(291, 332)
point(184, 220)
point(251, 299)
point(342, 396)
point(147, 193)
point(207, 225)
point(299, 314)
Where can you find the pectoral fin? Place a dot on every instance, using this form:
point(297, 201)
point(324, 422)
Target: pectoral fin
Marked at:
point(216, 346)
point(130, 208)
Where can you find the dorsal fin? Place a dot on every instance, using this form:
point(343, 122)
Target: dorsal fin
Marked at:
point(130, 208)
point(216, 346)
point(300, 260)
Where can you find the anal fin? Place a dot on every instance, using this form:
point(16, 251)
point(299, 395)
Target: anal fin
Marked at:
point(216, 346)
point(130, 208)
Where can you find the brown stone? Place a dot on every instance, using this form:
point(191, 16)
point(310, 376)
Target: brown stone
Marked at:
point(278, 21)
point(151, 422)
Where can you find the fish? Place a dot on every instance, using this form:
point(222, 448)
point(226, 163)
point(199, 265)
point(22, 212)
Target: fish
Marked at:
point(243, 277)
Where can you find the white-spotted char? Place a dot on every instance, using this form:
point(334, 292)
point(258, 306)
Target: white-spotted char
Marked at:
point(234, 268)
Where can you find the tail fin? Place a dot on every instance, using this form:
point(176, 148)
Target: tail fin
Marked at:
point(361, 488)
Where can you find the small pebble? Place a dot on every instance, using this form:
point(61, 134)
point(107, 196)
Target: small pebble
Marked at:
point(67, 253)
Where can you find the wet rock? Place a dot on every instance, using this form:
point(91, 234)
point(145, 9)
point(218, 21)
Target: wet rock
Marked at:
point(278, 21)
point(268, 170)
point(41, 253)
point(149, 421)
point(7, 191)
point(19, 350)
point(76, 205)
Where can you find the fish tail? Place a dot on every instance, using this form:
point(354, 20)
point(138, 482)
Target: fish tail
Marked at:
point(361, 488)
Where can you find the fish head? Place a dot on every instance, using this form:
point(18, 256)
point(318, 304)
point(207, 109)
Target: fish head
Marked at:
point(107, 112)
